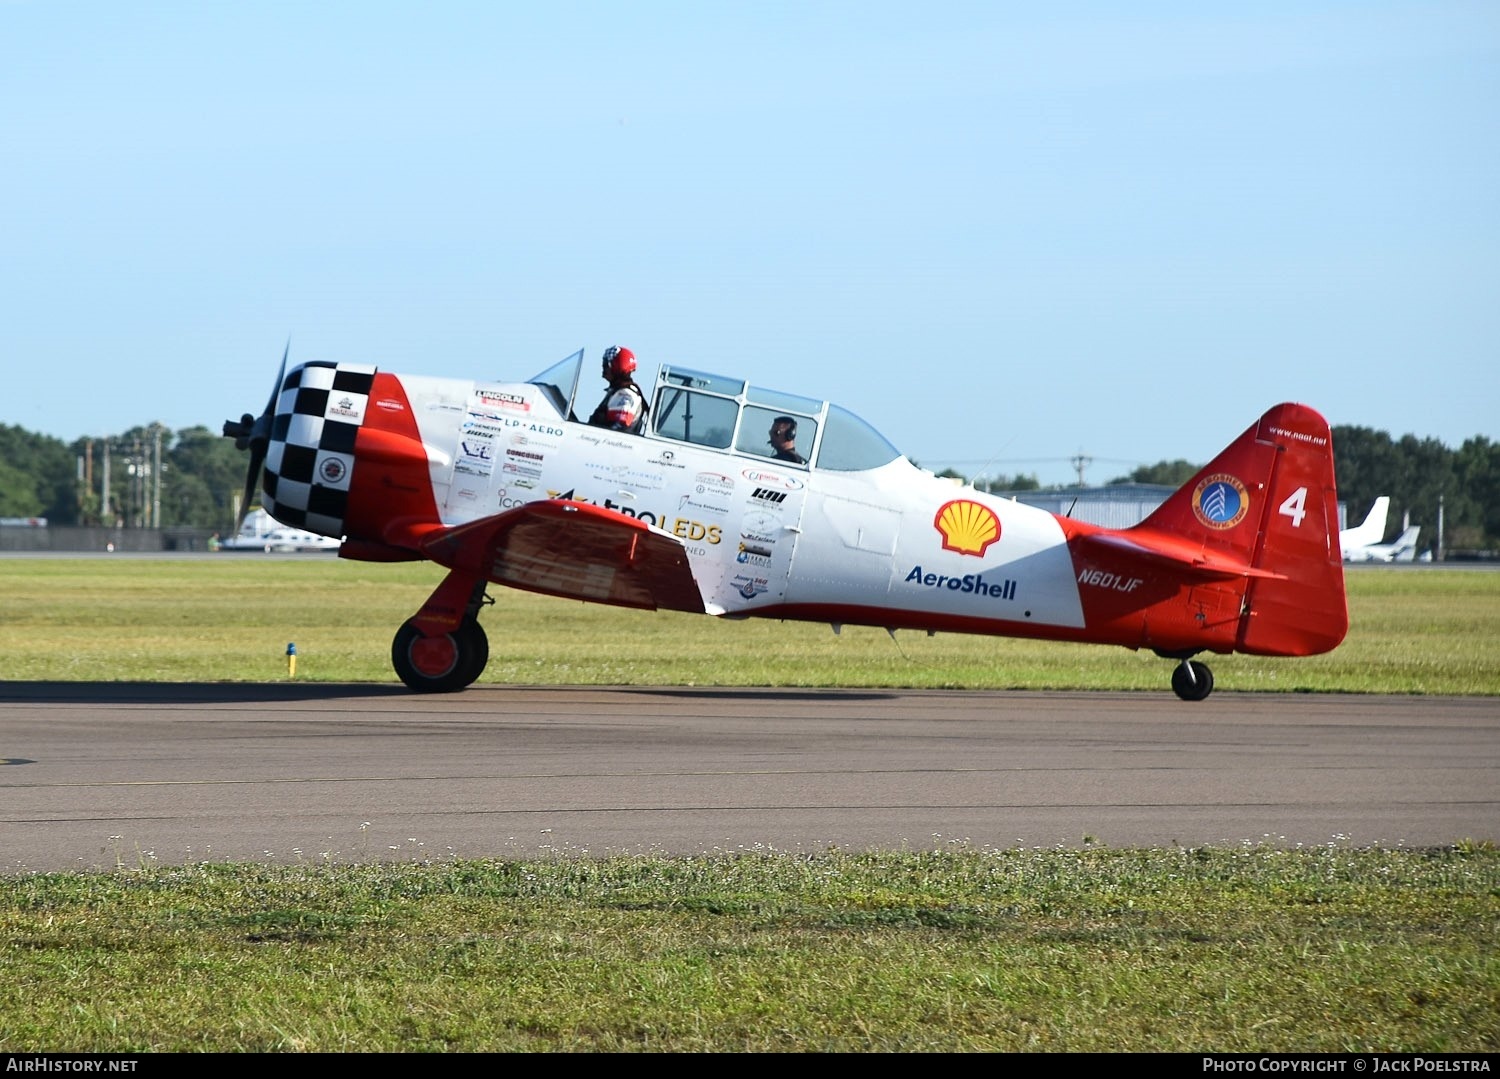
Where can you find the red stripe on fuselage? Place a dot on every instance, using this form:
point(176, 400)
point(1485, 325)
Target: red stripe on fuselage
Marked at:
point(392, 479)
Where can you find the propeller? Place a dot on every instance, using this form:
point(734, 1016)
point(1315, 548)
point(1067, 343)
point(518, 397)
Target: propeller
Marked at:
point(253, 433)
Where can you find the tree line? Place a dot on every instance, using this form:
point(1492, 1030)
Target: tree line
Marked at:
point(150, 477)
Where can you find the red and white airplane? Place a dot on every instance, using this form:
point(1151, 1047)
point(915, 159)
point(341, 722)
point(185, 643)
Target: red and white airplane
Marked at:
point(503, 483)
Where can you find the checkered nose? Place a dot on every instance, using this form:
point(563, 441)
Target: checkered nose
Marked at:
point(305, 442)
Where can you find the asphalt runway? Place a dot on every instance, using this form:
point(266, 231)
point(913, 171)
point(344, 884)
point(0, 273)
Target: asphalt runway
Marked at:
point(102, 776)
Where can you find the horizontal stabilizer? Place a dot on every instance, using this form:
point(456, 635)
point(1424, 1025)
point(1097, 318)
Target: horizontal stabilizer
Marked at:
point(1176, 553)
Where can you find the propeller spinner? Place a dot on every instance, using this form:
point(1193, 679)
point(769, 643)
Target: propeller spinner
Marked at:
point(253, 433)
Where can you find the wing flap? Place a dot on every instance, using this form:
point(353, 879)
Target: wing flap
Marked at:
point(574, 550)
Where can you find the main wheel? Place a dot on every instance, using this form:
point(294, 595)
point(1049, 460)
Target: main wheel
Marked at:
point(1191, 680)
point(478, 646)
point(441, 663)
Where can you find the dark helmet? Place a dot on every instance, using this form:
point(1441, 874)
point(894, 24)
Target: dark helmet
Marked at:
point(618, 362)
point(784, 421)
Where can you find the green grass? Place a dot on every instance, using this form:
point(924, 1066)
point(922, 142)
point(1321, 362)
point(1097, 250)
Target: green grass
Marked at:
point(1412, 631)
point(1244, 951)
point(1255, 950)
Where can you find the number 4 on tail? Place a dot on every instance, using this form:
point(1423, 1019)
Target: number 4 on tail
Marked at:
point(1295, 506)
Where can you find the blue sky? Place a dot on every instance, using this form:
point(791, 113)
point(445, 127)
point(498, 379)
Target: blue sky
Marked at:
point(1005, 234)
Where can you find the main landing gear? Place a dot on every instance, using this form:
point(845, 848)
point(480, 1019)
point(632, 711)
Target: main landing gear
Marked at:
point(430, 659)
point(442, 662)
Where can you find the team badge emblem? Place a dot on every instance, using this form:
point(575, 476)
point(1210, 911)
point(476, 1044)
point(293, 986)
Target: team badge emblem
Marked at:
point(1220, 501)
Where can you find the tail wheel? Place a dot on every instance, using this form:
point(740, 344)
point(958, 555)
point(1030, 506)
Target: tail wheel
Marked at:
point(1191, 680)
point(440, 663)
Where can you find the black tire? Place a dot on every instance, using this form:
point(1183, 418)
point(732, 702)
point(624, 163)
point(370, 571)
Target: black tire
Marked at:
point(442, 663)
point(1192, 681)
point(478, 645)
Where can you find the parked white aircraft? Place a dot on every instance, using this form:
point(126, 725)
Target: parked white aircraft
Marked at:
point(262, 532)
point(1369, 532)
point(1401, 549)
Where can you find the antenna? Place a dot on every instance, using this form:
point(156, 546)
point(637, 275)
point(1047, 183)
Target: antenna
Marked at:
point(974, 482)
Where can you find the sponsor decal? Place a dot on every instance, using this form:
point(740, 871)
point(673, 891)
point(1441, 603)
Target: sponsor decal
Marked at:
point(524, 455)
point(666, 459)
point(390, 404)
point(495, 422)
point(760, 527)
point(967, 527)
point(689, 502)
point(681, 527)
point(752, 555)
point(1098, 578)
point(762, 478)
point(626, 475)
point(344, 406)
point(1298, 436)
point(750, 587)
point(970, 584)
point(476, 449)
point(766, 494)
point(332, 469)
point(537, 429)
point(713, 481)
point(684, 528)
point(1220, 501)
point(503, 399)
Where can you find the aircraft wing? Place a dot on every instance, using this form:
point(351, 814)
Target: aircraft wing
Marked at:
point(575, 550)
point(1176, 553)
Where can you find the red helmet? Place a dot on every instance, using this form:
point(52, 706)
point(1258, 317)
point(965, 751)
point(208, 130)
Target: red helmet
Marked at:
point(618, 362)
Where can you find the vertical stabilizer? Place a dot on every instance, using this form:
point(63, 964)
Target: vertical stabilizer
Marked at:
point(1269, 503)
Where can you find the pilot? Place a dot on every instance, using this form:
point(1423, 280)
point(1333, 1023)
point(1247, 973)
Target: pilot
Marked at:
point(624, 405)
point(784, 440)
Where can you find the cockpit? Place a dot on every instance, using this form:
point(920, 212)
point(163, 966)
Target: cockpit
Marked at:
point(730, 414)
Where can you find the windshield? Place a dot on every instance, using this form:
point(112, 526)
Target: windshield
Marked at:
point(560, 383)
point(849, 444)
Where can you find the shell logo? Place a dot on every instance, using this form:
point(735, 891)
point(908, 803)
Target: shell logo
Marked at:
point(966, 527)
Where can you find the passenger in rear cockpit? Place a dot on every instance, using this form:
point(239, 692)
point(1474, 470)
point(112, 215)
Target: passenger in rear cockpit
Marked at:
point(784, 440)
